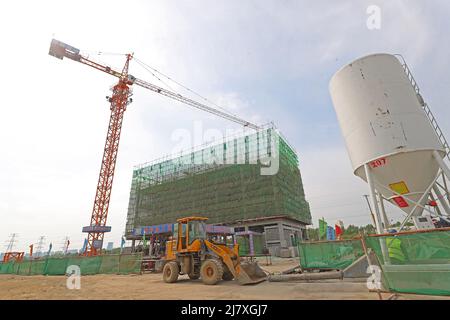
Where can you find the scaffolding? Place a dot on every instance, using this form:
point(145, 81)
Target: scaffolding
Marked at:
point(224, 182)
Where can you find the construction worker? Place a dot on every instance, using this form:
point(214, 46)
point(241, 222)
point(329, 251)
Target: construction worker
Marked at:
point(396, 254)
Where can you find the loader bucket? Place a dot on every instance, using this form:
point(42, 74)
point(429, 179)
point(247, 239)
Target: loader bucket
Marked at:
point(250, 273)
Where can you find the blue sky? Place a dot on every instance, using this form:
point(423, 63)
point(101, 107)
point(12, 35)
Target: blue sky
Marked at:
point(264, 60)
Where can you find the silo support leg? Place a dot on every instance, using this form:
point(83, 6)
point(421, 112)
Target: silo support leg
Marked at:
point(441, 164)
point(373, 196)
point(442, 199)
point(384, 249)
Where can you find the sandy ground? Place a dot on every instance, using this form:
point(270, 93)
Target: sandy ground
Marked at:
point(151, 286)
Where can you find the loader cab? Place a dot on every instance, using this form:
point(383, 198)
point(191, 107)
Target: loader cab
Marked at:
point(187, 230)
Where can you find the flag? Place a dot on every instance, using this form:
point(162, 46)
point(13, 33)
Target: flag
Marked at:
point(331, 235)
point(31, 250)
point(322, 229)
point(84, 246)
point(67, 246)
point(338, 231)
point(49, 249)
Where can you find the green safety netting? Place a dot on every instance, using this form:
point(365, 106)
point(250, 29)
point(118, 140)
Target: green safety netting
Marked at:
point(226, 190)
point(6, 268)
point(37, 267)
point(414, 263)
point(24, 268)
point(106, 264)
point(110, 264)
point(55, 266)
point(329, 254)
point(128, 263)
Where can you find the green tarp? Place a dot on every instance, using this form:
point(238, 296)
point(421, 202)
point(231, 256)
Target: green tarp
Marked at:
point(425, 267)
point(411, 262)
point(329, 254)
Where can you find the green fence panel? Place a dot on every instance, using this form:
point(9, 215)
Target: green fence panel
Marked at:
point(110, 264)
point(87, 265)
point(90, 265)
point(75, 260)
point(6, 268)
point(55, 266)
point(244, 245)
point(415, 262)
point(330, 254)
point(123, 264)
point(130, 263)
point(15, 267)
point(37, 267)
point(24, 268)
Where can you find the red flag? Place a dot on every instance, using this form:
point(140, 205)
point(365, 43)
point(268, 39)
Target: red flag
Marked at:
point(338, 231)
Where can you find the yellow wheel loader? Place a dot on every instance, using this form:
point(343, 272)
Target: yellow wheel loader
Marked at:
point(190, 252)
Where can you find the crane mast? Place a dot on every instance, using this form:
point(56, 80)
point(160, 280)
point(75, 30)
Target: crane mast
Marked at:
point(119, 100)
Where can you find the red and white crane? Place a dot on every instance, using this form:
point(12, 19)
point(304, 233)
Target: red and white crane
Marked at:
point(119, 100)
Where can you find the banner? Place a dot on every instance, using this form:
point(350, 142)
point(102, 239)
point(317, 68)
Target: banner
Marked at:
point(322, 229)
point(331, 234)
point(338, 231)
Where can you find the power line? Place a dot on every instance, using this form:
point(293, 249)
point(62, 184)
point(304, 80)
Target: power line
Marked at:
point(40, 246)
point(338, 206)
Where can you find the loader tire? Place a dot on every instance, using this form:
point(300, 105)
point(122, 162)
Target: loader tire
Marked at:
point(227, 276)
point(211, 271)
point(170, 272)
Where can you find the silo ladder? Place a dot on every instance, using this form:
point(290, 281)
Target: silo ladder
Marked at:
point(426, 108)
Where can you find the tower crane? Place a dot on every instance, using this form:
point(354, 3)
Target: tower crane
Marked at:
point(121, 97)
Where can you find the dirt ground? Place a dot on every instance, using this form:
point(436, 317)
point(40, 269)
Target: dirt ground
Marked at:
point(151, 286)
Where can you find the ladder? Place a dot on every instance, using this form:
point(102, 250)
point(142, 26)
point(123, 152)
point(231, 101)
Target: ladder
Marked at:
point(426, 109)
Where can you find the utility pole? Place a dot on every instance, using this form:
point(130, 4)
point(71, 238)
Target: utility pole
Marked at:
point(11, 243)
point(40, 246)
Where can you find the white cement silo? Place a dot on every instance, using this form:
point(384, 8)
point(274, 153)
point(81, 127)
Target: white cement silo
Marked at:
point(387, 134)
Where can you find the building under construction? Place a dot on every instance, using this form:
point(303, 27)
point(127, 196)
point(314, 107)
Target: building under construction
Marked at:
point(250, 181)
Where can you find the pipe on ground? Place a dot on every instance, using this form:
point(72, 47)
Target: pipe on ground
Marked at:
point(307, 276)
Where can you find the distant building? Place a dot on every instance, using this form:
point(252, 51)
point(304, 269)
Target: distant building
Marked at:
point(110, 246)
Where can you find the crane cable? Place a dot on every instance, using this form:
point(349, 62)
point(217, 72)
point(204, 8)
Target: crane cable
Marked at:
point(147, 67)
point(150, 69)
point(143, 65)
